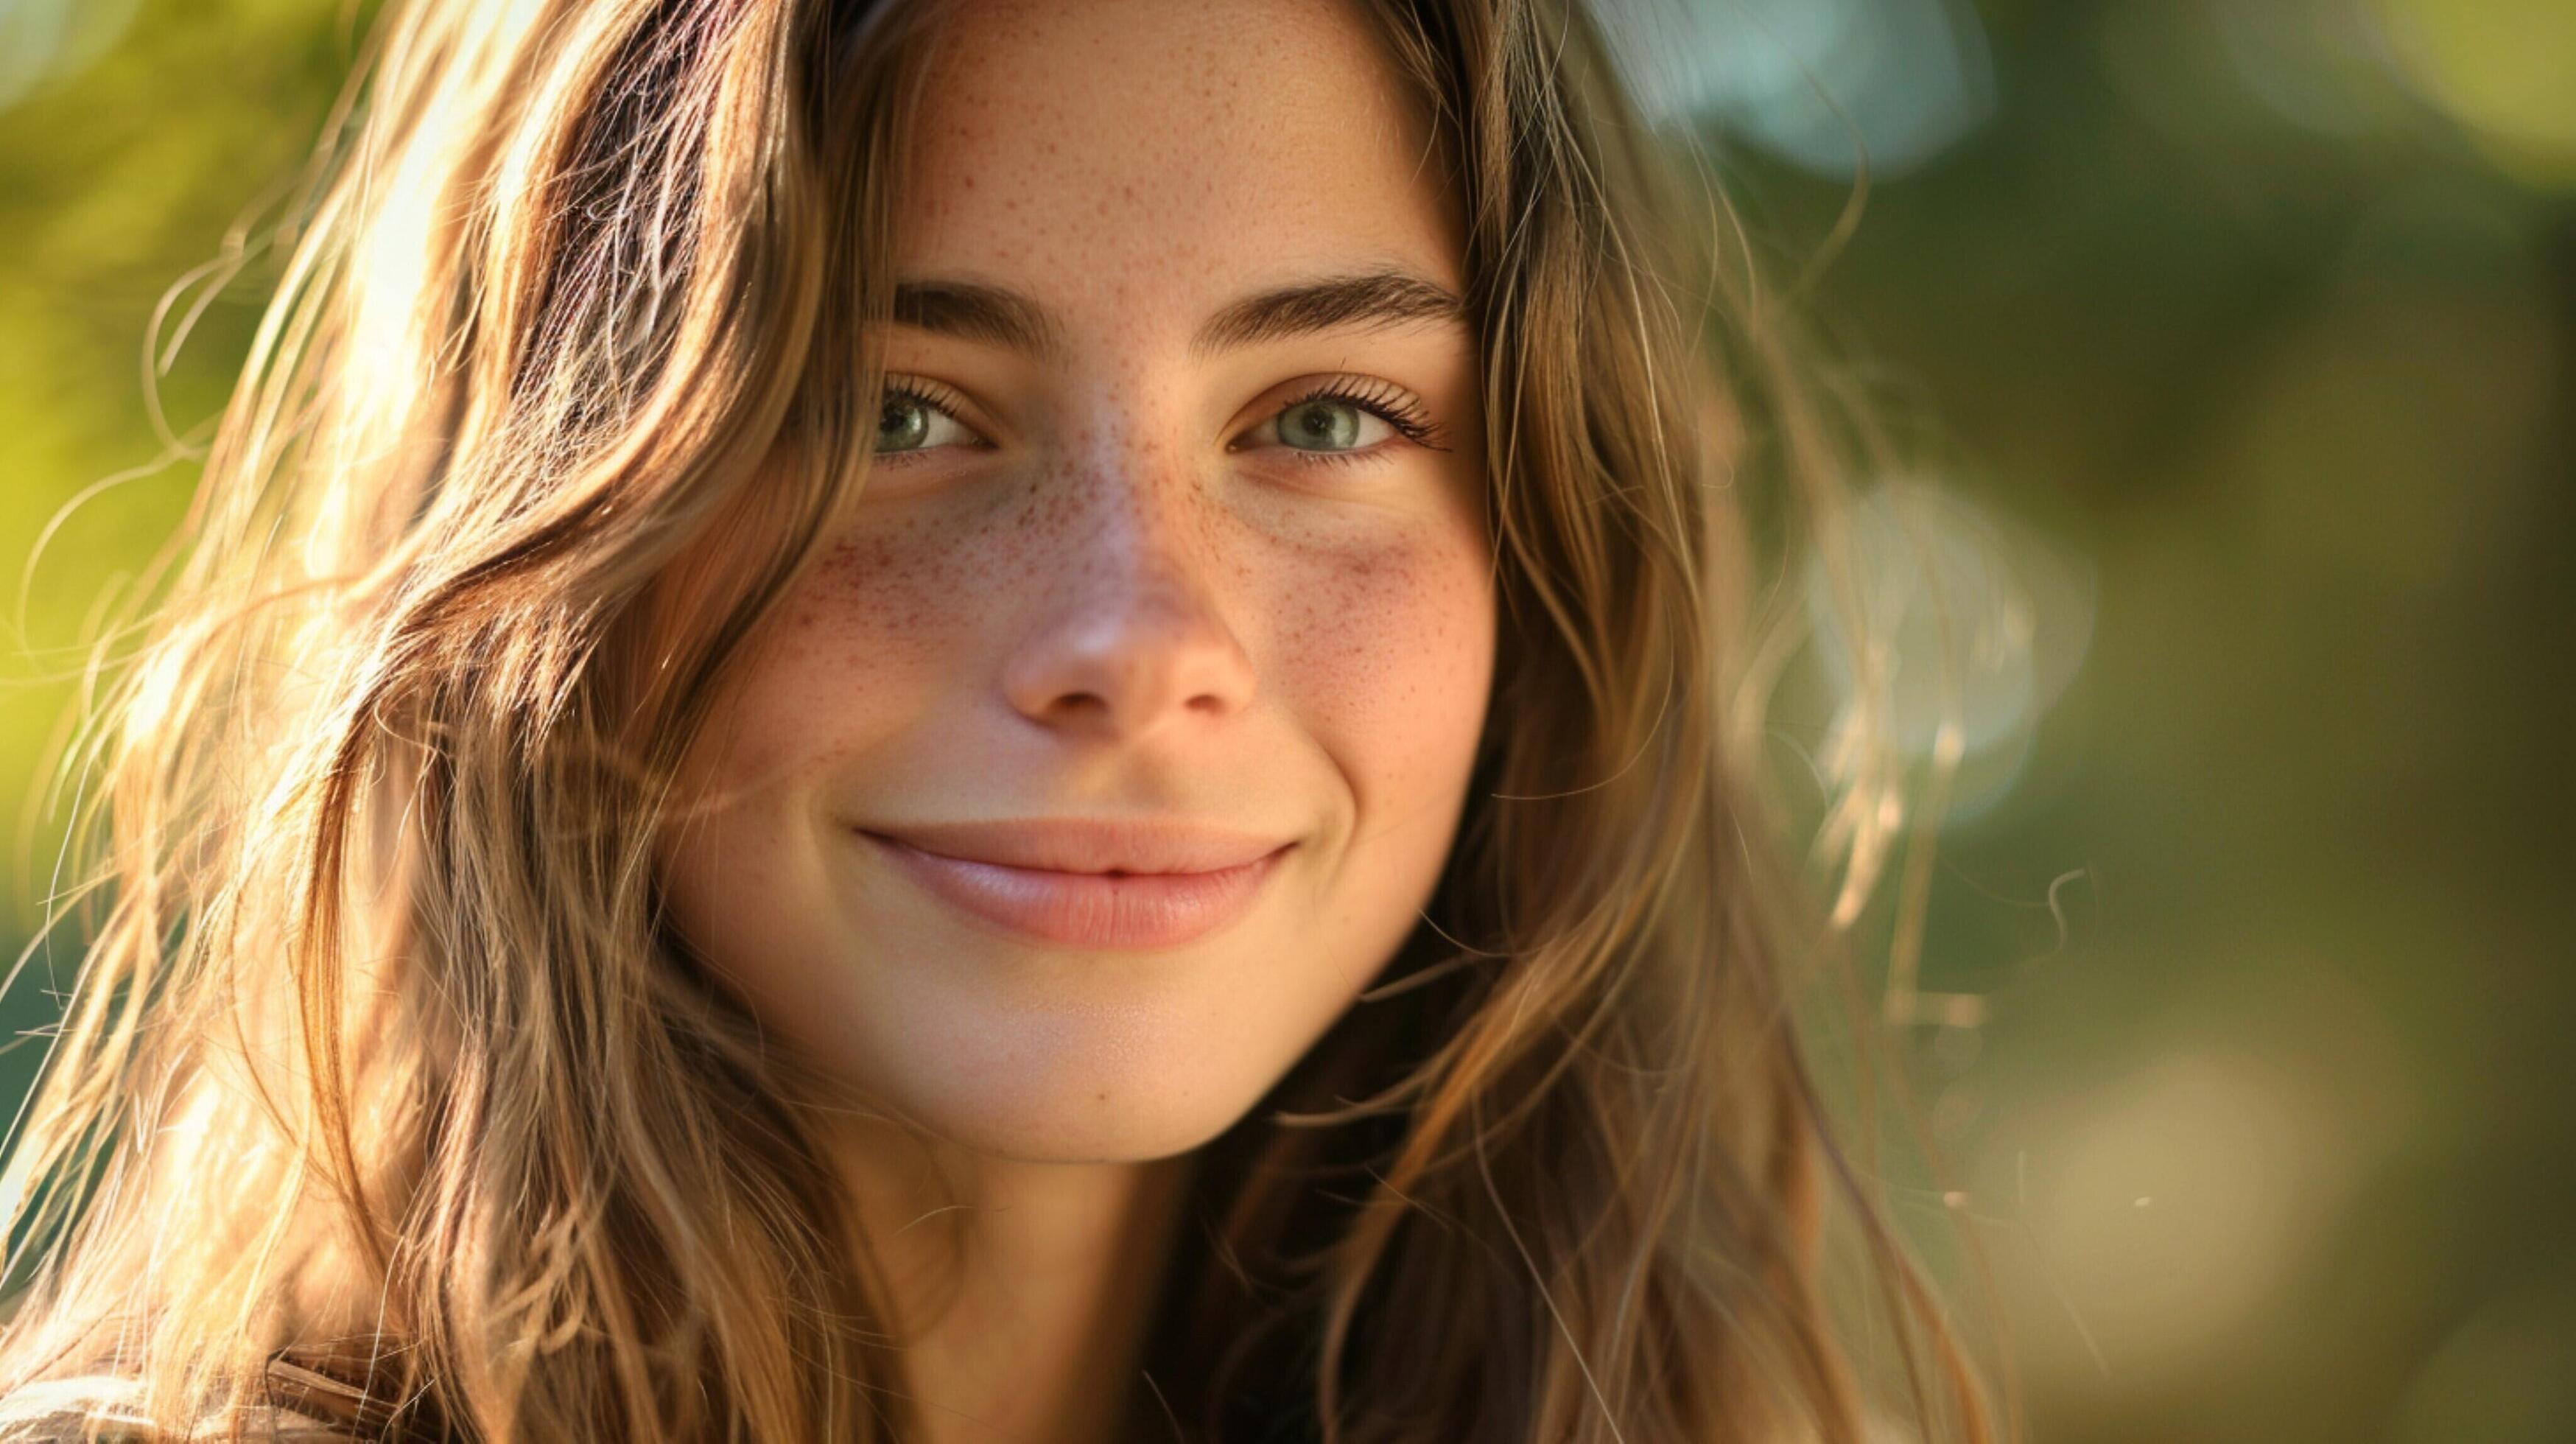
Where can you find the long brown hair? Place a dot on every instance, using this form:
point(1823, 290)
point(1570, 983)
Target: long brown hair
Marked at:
point(378, 1028)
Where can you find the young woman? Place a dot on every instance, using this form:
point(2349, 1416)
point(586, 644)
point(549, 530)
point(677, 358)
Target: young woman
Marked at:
point(1006, 720)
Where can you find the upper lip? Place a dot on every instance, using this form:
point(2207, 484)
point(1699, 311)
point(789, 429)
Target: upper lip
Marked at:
point(1135, 844)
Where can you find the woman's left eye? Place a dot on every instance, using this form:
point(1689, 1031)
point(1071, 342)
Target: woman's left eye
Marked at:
point(1332, 423)
point(1329, 423)
point(913, 419)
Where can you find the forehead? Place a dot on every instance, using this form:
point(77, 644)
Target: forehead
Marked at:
point(1134, 156)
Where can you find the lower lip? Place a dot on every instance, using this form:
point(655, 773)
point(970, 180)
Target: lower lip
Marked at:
point(1089, 909)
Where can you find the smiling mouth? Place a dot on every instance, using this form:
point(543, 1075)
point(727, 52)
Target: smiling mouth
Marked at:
point(1110, 909)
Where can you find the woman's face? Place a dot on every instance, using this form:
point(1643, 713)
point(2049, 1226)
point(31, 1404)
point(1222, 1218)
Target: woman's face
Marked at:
point(1123, 733)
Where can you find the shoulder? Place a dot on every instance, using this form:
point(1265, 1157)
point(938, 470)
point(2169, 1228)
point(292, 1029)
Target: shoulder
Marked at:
point(106, 1409)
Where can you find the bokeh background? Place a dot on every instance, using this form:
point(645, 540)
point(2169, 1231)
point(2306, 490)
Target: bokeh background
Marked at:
point(2233, 339)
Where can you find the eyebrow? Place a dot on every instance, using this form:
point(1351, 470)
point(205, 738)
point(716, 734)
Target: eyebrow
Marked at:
point(977, 313)
point(1387, 296)
point(1384, 297)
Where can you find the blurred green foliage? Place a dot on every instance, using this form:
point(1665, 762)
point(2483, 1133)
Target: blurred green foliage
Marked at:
point(132, 138)
point(2258, 317)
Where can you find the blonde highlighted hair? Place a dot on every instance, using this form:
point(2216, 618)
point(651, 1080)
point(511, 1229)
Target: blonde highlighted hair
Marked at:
point(379, 1036)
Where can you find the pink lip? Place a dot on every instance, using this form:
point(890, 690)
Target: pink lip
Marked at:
point(1091, 909)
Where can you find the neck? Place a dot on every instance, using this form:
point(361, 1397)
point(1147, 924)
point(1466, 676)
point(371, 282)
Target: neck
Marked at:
point(1023, 1290)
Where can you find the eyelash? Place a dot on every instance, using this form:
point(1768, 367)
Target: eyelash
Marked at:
point(1380, 399)
point(928, 393)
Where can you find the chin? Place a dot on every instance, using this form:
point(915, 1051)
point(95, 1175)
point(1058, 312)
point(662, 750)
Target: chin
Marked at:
point(1046, 1139)
point(1148, 1120)
point(1063, 1059)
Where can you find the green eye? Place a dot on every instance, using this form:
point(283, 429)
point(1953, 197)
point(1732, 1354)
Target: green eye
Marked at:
point(912, 421)
point(903, 424)
point(1325, 423)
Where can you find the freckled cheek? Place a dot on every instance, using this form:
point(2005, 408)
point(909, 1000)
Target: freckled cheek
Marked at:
point(1387, 650)
point(863, 644)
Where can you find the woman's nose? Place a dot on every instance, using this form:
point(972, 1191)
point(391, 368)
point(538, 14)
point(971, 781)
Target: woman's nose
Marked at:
point(1137, 639)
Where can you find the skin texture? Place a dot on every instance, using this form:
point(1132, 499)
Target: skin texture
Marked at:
point(1106, 587)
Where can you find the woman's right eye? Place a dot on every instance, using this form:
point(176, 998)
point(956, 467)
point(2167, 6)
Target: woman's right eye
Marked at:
point(913, 421)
